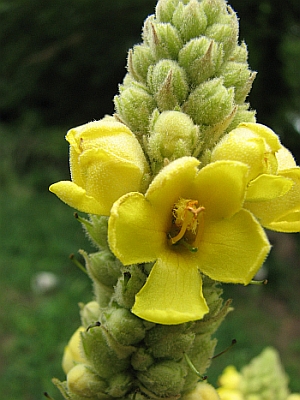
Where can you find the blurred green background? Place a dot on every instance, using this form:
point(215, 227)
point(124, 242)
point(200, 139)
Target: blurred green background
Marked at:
point(61, 63)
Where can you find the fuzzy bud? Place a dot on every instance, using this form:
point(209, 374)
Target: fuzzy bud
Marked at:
point(89, 313)
point(163, 39)
point(106, 356)
point(210, 102)
point(82, 381)
point(124, 326)
point(172, 135)
point(134, 105)
point(72, 354)
point(168, 83)
point(119, 385)
point(164, 379)
point(190, 20)
point(139, 60)
point(201, 58)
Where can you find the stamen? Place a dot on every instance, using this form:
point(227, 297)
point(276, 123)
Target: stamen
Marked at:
point(186, 214)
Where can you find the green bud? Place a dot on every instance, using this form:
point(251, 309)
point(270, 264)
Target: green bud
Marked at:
point(172, 135)
point(83, 381)
point(134, 106)
point(210, 102)
point(164, 379)
point(201, 58)
point(240, 53)
point(96, 229)
point(169, 341)
point(167, 81)
point(240, 77)
point(105, 355)
point(89, 313)
point(190, 20)
point(128, 285)
point(104, 269)
point(165, 9)
point(243, 114)
point(124, 326)
point(141, 359)
point(139, 60)
point(162, 38)
point(120, 384)
point(213, 9)
point(226, 34)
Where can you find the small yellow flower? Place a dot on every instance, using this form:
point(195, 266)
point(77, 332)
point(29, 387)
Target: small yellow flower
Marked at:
point(106, 161)
point(189, 220)
point(72, 355)
point(273, 192)
point(203, 391)
point(230, 378)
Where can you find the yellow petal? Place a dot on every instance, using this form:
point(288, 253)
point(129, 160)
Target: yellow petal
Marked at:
point(135, 234)
point(76, 197)
point(174, 181)
point(107, 177)
point(172, 293)
point(280, 214)
point(263, 131)
point(220, 188)
point(267, 187)
point(285, 159)
point(233, 250)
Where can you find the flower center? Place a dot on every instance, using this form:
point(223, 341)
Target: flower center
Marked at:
point(185, 213)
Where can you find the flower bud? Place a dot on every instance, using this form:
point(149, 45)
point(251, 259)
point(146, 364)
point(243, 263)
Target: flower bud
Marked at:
point(164, 379)
point(82, 381)
point(162, 38)
point(106, 161)
point(201, 58)
point(225, 32)
point(165, 9)
point(104, 270)
point(72, 353)
point(105, 355)
point(190, 20)
point(89, 313)
point(139, 60)
point(124, 326)
point(203, 391)
point(141, 359)
point(119, 385)
point(128, 285)
point(210, 102)
point(240, 77)
point(213, 10)
point(168, 82)
point(173, 135)
point(242, 114)
point(134, 105)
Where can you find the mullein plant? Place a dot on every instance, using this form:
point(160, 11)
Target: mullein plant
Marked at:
point(178, 186)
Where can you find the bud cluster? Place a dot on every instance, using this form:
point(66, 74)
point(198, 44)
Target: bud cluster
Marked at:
point(189, 63)
point(115, 354)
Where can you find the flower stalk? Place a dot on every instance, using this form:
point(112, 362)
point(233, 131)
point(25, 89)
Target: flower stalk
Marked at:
point(178, 185)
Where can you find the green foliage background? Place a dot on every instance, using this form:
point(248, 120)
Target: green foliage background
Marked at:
point(61, 63)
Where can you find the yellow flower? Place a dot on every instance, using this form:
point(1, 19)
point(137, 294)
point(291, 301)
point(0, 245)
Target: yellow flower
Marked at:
point(106, 161)
point(203, 391)
point(230, 378)
point(273, 192)
point(72, 355)
point(188, 220)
